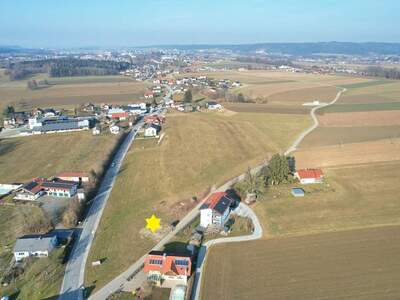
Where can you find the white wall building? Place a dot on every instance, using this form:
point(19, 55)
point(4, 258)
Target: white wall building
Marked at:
point(36, 246)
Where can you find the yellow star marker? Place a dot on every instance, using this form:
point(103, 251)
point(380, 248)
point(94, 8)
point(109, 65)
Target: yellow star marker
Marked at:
point(153, 223)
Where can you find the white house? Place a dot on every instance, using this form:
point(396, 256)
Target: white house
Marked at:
point(215, 210)
point(37, 246)
point(309, 176)
point(152, 130)
point(30, 191)
point(114, 129)
point(214, 105)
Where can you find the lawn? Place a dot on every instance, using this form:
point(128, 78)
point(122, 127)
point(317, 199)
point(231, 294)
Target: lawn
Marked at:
point(358, 264)
point(24, 158)
point(200, 150)
point(352, 197)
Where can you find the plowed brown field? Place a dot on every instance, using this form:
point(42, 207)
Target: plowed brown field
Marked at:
point(357, 264)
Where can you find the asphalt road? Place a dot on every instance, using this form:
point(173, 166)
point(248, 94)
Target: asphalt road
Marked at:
point(72, 286)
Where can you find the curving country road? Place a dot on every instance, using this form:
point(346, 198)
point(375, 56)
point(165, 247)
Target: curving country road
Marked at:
point(133, 277)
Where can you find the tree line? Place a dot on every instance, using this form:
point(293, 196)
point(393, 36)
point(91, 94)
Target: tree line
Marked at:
point(378, 71)
point(278, 171)
point(65, 67)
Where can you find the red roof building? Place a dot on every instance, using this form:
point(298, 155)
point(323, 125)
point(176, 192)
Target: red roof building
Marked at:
point(120, 115)
point(216, 209)
point(306, 176)
point(161, 266)
point(74, 176)
point(154, 119)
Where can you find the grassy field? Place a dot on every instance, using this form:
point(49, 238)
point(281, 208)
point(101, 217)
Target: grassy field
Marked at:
point(24, 158)
point(327, 136)
point(13, 221)
point(376, 118)
point(345, 201)
point(42, 279)
point(359, 264)
point(199, 151)
point(21, 159)
point(360, 107)
point(349, 154)
point(266, 108)
point(365, 84)
point(71, 91)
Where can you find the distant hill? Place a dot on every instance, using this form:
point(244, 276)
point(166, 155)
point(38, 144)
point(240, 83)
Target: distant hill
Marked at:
point(344, 48)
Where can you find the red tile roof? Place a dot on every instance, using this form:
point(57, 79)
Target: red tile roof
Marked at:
point(212, 201)
point(72, 174)
point(120, 115)
point(167, 264)
point(310, 173)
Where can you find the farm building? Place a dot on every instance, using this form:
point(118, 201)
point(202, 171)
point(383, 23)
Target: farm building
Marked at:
point(152, 130)
point(60, 188)
point(162, 267)
point(60, 124)
point(297, 192)
point(308, 176)
point(215, 210)
point(35, 245)
point(74, 176)
point(38, 187)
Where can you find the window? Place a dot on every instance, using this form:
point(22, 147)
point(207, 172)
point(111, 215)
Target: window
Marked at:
point(156, 261)
point(181, 262)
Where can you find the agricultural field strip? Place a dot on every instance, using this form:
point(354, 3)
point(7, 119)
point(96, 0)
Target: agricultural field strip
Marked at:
point(257, 234)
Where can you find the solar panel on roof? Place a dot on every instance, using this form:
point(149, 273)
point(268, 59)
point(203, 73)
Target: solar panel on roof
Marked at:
point(156, 261)
point(181, 262)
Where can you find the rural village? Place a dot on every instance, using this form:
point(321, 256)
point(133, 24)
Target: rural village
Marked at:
point(168, 177)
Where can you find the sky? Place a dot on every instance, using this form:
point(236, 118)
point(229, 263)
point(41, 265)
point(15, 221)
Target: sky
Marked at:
point(123, 23)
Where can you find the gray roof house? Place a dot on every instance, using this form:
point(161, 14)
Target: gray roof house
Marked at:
point(34, 245)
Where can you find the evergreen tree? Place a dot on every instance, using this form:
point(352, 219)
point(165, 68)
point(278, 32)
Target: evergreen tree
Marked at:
point(188, 97)
point(278, 170)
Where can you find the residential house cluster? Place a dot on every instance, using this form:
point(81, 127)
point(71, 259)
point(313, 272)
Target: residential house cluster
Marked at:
point(63, 185)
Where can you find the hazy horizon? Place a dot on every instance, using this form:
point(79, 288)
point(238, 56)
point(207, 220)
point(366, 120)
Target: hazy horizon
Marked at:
point(100, 24)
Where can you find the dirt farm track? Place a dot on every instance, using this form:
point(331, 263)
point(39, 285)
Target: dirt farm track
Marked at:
point(357, 264)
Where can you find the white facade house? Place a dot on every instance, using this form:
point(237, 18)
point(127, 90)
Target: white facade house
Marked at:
point(215, 210)
point(309, 176)
point(36, 246)
point(29, 192)
point(152, 130)
point(214, 106)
